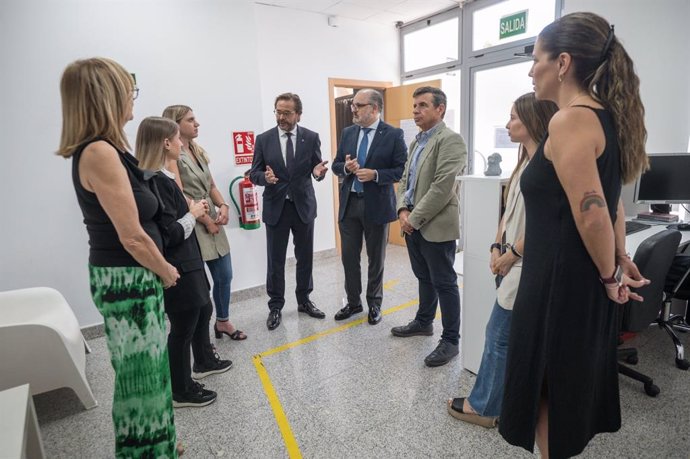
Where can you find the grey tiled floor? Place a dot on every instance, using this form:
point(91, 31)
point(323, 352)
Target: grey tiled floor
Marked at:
point(356, 392)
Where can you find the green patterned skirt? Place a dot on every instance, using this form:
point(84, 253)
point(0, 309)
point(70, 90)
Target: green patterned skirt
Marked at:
point(131, 302)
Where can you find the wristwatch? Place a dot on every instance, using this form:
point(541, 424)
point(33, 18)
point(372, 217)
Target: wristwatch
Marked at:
point(616, 279)
point(514, 250)
point(495, 245)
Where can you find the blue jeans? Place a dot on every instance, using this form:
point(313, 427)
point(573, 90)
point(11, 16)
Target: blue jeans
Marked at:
point(221, 273)
point(487, 395)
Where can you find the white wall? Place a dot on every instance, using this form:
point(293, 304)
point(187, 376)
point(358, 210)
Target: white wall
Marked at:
point(654, 34)
point(181, 52)
point(299, 52)
point(205, 54)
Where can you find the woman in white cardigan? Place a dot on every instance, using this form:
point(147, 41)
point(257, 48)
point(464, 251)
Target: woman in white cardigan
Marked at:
point(529, 120)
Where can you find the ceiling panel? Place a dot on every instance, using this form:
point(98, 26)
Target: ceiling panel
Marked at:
point(349, 10)
point(376, 11)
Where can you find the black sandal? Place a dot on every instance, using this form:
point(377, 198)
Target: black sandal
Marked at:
point(238, 335)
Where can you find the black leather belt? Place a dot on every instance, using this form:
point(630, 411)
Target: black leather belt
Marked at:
point(355, 194)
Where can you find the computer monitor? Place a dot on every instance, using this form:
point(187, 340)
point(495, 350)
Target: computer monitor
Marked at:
point(667, 181)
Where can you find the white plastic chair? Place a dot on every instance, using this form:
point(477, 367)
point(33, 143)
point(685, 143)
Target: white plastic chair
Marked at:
point(41, 343)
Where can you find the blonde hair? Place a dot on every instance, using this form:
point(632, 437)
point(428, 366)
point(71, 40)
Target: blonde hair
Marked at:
point(604, 68)
point(95, 96)
point(151, 135)
point(177, 113)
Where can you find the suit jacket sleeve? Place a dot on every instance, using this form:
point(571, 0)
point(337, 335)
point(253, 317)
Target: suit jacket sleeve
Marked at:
point(393, 174)
point(452, 154)
point(258, 169)
point(338, 166)
point(171, 230)
point(316, 157)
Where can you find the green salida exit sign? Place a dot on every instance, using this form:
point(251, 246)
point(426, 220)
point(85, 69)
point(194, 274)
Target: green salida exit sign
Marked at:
point(513, 24)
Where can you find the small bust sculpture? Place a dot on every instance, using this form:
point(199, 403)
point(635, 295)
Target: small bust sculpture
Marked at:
point(493, 168)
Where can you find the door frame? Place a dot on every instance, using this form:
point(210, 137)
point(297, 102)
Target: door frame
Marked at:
point(344, 83)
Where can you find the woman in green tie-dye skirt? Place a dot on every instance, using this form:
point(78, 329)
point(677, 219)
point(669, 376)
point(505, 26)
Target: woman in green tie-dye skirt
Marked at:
point(127, 270)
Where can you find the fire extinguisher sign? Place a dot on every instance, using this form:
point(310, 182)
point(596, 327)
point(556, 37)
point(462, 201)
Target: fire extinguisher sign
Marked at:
point(244, 147)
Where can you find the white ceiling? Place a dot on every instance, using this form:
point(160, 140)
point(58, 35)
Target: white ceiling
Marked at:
point(376, 11)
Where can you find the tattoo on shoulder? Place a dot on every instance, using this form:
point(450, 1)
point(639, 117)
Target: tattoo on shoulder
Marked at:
point(591, 199)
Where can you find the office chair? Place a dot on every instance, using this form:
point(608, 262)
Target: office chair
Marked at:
point(653, 258)
point(677, 287)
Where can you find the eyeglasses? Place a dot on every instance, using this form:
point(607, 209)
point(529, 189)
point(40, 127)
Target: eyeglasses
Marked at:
point(354, 107)
point(135, 93)
point(286, 113)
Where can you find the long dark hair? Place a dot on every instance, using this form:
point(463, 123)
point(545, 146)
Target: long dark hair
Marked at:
point(604, 68)
point(535, 116)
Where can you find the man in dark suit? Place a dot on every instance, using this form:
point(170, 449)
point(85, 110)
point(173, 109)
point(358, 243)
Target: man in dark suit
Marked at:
point(370, 158)
point(286, 158)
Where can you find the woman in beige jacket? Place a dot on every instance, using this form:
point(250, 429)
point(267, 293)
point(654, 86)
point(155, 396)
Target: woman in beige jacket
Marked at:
point(195, 179)
point(529, 120)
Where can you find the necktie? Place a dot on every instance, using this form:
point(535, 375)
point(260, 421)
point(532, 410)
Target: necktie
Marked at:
point(289, 153)
point(362, 156)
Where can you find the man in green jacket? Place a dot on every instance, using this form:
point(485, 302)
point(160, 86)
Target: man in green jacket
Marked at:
point(427, 204)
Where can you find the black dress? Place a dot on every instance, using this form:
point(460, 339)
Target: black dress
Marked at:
point(564, 329)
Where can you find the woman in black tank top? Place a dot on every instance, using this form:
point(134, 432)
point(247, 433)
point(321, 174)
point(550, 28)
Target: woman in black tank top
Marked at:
point(126, 268)
point(561, 372)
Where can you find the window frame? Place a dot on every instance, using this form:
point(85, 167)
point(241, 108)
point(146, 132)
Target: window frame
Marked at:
point(420, 24)
point(468, 60)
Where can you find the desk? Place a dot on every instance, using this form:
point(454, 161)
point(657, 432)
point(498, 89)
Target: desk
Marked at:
point(19, 433)
point(633, 241)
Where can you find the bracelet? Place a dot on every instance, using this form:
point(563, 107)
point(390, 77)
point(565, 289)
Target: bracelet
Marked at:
point(515, 252)
point(495, 245)
point(223, 204)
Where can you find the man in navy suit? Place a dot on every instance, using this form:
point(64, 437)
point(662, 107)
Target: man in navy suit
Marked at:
point(370, 158)
point(286, 158)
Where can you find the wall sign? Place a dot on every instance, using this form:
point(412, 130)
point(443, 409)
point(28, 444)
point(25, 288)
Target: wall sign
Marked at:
point(244, 147)
point(513, 24)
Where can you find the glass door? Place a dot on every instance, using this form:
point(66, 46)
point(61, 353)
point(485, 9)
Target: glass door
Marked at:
point(494, 87)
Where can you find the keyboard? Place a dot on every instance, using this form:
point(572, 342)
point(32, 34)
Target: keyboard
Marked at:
point(634, 227)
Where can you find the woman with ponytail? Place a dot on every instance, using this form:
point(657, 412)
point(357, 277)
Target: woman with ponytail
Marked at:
point(561, 372)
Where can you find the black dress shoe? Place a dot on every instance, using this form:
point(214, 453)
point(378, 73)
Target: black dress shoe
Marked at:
point(273, 319)
point(310, 308)
point(414, 328)
point(348, 311)
point(374, 315)
point(443, 354)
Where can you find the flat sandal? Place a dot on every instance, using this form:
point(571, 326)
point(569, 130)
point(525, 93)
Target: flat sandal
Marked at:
point(455, 410)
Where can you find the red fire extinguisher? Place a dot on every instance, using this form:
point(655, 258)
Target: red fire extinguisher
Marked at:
point(249, 203)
